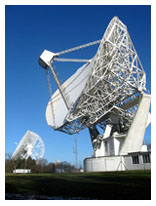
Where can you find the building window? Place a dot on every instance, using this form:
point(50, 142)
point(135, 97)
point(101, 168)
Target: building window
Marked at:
point(146, 158)
point(135, 159)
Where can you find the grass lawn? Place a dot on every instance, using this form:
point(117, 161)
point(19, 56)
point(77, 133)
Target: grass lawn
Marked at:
point(127, 185)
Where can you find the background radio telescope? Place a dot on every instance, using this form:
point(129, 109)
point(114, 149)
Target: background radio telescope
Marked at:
point(31, 145)
point(107, 92)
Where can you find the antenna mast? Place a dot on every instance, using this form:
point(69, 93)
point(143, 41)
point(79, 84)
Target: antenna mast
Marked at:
point(75, 152)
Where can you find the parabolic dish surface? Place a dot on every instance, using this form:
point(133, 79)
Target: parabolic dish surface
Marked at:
point(56, 111)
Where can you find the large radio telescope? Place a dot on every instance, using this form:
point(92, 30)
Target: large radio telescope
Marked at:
point(31, 145)
point(105, 92)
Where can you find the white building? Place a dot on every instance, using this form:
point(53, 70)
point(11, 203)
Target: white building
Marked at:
point(131, 161)
point(22, 171)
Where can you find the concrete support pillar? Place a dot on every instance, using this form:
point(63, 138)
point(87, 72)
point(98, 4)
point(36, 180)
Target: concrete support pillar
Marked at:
point(135, 136)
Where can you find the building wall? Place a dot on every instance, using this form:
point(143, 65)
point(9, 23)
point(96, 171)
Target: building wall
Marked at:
point(101, 164)
point(141, 166)
point(116, 163)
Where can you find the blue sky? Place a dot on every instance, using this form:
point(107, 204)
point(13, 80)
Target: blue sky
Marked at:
point(31, 29)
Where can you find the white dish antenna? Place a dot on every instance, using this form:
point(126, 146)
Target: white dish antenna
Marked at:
point(108, 91)
point(31, 145)
point(111, 82)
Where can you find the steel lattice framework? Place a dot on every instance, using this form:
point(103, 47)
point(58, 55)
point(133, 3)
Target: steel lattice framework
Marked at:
point(114, 87)
point(31, 145)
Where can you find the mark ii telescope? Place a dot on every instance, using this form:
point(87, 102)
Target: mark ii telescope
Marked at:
point(107, 92)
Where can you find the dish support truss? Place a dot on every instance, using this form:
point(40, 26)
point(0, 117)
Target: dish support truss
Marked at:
point(117, 76)
point(114, 89)
point(31, 145)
